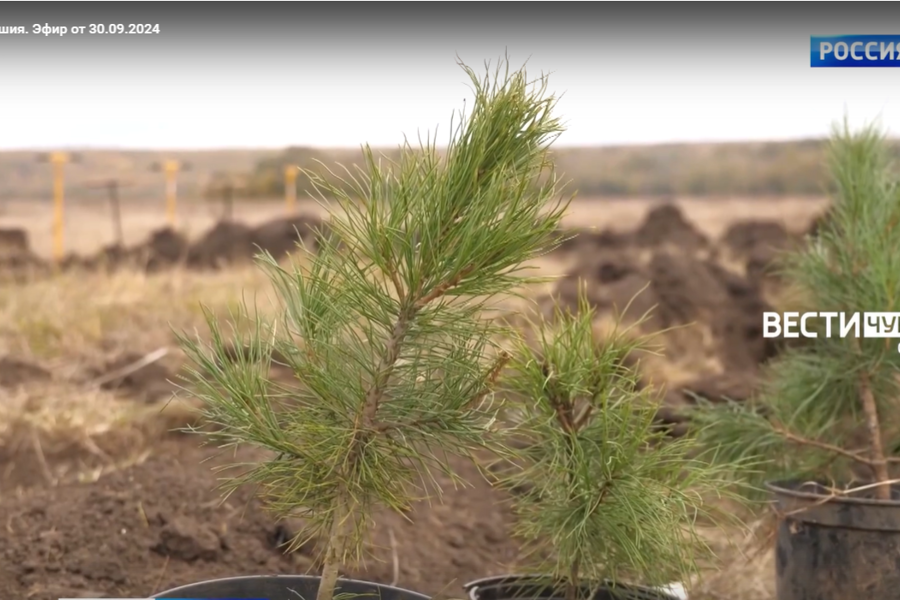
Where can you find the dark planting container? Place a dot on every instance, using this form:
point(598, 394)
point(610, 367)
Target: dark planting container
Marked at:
point(524, 587)
point(835, 548)
point(285, 587)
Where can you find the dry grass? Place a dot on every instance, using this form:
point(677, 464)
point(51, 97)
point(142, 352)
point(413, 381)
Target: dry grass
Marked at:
point(76, 316)
point(77, 320)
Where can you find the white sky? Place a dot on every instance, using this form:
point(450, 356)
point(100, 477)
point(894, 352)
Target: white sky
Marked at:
point(676, 90)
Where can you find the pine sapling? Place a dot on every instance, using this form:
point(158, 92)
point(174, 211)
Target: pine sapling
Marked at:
point(384, 328)
point(612, 498)
point(828, 409)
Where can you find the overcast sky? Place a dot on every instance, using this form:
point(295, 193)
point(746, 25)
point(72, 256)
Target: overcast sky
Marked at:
point(325, 78)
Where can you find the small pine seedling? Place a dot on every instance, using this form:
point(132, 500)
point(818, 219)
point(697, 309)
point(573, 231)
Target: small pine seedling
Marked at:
point(384, 329)
point(601, 495)
point(827, 410)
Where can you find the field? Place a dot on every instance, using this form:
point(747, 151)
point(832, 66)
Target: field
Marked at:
point(99, 496)
point(745, 170)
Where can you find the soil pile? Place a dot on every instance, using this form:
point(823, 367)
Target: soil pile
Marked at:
point(225, 244)
point(280, 236)
point(13, 241)
point(166, 247)
point(17, 261)
point(664, 226)
point(588, 240)
point(757, 244)
point(680, 290)
point(680, 287)
point(743, 237)
point(667, 225)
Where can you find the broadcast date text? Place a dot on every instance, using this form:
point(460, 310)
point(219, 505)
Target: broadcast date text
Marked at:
point(91, 29)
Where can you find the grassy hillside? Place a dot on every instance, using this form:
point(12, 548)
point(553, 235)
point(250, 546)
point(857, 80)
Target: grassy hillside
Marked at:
point(738, 169)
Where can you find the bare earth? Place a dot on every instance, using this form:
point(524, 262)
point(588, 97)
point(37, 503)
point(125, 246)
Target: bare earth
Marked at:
point(98, 496)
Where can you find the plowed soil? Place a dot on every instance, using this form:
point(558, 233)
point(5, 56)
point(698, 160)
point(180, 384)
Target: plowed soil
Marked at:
point(162, 523)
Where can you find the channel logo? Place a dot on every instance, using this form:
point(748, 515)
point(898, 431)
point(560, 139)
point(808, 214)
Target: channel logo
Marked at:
point(855, 51)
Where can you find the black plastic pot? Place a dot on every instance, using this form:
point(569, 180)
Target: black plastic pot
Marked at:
point(525, 587)
point(834, 548)
point(285, 587)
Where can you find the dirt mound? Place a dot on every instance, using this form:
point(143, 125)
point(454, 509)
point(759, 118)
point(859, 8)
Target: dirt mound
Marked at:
point(13, 241)
point(667, 225)
point(281, 236)
point(738, 323)
point(17, 261)
point(579, 240)
point(680, 290)
point(609, 266)
point(758, 244)
point(692, 291)
point(228, 242)
point(622, 289)
point(15, 372)
point(761, 264)
point(688, 290)
point(744, 237)
point(165, 248)
point(160, 524)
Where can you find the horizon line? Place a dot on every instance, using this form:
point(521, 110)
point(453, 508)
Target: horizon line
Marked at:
point(254, 148)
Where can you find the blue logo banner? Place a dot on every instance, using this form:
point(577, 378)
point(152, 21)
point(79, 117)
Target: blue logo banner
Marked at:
point(855, 51)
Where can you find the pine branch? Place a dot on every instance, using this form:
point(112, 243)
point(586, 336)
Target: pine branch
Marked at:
point(856, 456)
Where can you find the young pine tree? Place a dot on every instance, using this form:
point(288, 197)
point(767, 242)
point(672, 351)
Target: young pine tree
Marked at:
point(384, 329)
point(600, 485)
point(828, 409)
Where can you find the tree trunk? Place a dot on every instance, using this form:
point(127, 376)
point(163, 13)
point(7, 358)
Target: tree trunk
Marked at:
point(337, 545)
point(876, 446)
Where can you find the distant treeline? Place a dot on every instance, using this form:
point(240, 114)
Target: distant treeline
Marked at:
point(749, 169)
point(734, 169)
